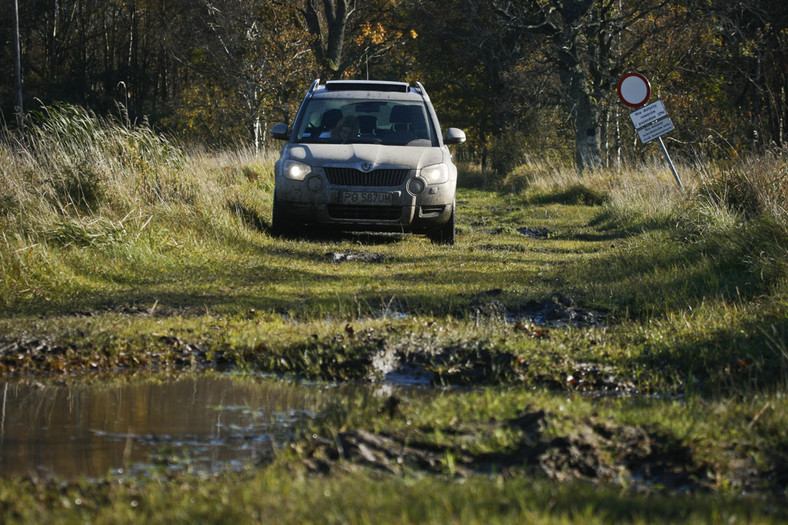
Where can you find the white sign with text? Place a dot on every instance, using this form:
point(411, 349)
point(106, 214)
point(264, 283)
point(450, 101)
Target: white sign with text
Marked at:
point(648, 114)
point(655, 130)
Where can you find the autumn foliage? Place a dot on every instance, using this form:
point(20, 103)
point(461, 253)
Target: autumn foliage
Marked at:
point(522, 78)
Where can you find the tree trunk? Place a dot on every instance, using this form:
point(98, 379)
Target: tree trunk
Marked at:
point(253, 115)
point(584, 110)
point(587, 132)
point(328, 32)
point(20, 110)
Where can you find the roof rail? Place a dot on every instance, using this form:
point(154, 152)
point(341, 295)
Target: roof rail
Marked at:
point(365, 85)
point(422, 91)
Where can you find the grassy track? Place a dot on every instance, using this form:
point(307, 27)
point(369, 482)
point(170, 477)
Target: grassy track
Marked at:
point(621, 347)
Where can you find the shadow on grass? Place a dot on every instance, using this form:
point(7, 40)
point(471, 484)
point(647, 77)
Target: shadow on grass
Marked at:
point(306, 232)
point(578, 501)
point(321, 289)
point(577, 194)
point(677, 272)
point(743, 357)
point(605, 221)
point(612, 235)
point(356, 237)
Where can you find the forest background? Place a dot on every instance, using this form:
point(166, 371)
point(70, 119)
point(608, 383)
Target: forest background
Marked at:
point(527, 77)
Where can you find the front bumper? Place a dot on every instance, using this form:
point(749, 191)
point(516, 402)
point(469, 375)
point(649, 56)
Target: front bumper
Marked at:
point(315, 200)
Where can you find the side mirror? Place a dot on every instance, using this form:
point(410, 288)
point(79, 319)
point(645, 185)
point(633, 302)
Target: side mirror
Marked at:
point(279, 131)
point(454, 136)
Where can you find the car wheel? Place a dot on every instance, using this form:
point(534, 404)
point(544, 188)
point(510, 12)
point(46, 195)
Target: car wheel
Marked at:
point(279, 226)
point(444, 234)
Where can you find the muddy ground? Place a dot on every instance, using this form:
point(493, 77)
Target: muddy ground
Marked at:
point(592, 450)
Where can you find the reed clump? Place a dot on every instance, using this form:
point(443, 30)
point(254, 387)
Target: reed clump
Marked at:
point(77, 181)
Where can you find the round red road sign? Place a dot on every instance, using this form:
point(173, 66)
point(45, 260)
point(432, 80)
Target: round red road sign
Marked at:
point(634, 89)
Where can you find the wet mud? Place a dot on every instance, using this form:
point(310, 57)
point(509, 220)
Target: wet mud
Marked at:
point(365, 355)
point(556, 310)
point(534, 233)
point(586, 449)
point(551, 445)
point(355, 256)
point(593, 451)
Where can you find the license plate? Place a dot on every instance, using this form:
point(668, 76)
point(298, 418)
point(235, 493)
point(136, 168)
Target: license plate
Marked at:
point(367, 198)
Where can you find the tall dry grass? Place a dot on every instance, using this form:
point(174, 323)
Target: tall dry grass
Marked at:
point(77, 181)
point(732, 214)
point(744, 189)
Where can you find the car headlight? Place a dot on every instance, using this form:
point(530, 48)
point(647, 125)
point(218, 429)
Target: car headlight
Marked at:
point(296, 170)
point(435, 174)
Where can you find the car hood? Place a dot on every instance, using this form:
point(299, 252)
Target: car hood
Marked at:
point(366, 156)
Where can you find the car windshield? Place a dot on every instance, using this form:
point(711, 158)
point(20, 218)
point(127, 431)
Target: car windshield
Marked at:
point(388, 122)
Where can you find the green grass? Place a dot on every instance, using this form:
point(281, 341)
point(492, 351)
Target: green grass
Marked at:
point(281, 497)
point(122, 250)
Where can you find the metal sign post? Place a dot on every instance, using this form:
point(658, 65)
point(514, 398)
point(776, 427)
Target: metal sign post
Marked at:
point(670, 162)
point(651, 121)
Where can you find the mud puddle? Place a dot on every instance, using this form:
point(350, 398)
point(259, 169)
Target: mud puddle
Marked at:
point(202, 423)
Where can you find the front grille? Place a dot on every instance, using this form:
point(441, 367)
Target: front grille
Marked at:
point(354, 177)
point(375, 213)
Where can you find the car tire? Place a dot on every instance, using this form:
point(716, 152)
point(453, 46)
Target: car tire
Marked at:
point(279, 226)
point(444, 234)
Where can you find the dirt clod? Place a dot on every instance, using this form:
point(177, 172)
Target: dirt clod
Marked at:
point(559, 310)
point(593, 451)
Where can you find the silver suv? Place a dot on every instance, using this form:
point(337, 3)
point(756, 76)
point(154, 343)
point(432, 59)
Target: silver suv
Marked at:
point(366, 155)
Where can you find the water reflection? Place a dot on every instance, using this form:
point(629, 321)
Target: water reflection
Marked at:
point(205, 422)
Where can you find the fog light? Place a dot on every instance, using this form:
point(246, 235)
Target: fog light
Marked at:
point(314, 183)
point(416, 186)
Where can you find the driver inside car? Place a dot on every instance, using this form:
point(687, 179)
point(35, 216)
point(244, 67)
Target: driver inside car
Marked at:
point(346, 129)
